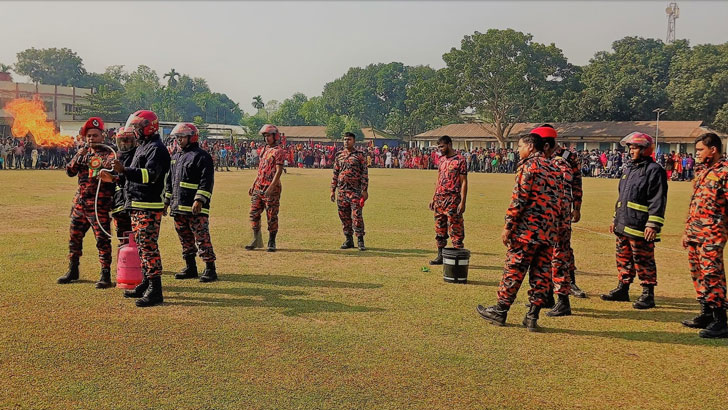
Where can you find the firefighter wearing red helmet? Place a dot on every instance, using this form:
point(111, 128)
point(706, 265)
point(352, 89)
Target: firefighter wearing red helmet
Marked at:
point(639, 215)
point(265, 194)
point(86, 164)
point(144, 188)
point(187, 195)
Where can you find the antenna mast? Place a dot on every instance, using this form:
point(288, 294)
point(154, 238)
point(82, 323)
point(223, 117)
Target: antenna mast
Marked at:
point(673, 12)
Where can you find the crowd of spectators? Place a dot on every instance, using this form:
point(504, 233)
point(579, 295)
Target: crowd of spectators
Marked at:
point(21, 153)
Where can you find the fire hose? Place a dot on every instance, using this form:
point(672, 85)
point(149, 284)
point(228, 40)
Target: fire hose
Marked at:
point(98, 188)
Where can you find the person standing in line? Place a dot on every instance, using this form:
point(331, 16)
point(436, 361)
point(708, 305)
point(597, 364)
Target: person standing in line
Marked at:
point(351, 178)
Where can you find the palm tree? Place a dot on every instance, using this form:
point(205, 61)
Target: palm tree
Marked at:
point(258, 103)
point(172, 82)
point(4, 68)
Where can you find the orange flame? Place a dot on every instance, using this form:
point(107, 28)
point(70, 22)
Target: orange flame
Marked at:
point(30, 117)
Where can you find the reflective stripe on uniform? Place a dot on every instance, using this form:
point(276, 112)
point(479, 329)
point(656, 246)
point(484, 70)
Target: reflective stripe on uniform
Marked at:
point(188, 185)
point(204, 193)
point(117, 209)
point(145, 176)
point(147, 205)
point(655, 218)
point(635, 232)
point(189, 209)
point(118, 188)
point(638, 207)
point(167, 195)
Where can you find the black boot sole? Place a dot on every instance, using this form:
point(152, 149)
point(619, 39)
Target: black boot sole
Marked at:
point(178, 276)
point(721, 335)
point(207, 279)
point(492, 321)
point(551, 313)
point(609, 299)
point(103, 285)
point(643, 307)
point(142, 303)
point(531, 329)
point(691, 324)
point(435, 263)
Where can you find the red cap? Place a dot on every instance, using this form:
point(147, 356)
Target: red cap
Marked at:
point(544, 132)
point(92, 123)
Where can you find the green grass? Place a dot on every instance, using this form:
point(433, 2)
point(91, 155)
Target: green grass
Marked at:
point(312, 326)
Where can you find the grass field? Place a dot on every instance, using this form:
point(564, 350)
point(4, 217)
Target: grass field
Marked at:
point(312, 326)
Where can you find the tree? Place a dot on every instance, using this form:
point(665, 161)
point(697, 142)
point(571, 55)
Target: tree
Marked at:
point(105, 103)
point(353, 126)
point(335, 126)
point(698, 87)
point(141, 89)
point(289, 111)
point(172, 74)
point(721, 119)
point(258, 103)
point(253, 124)
point(4, 68)
point(629, 82)
point(51, 66)
point(314, 112)
point(499, 74)
point(201, 126)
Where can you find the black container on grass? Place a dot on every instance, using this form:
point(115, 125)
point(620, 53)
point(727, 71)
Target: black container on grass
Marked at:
point(455, 265)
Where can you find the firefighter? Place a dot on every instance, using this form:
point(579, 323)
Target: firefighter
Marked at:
point(86, 213)
point(126, 144)
point(638, 218)
point(265, 194)
point(188, 192)
point(448, 202)
point(351, 177)
point(705, 237)
point(144, 187)
point(530, 233)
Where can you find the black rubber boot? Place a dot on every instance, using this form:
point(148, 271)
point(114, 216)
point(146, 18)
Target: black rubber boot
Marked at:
point(702, 320)
point(495, 314)
point(72, 273)
point(618, 294)
point(360, 243)
point(257, 241)
point(718, 328)
point(531, 319)
point(139, 290)
point(646, 299)
point(550, 301)
point(153, 294)
point(272, 241)
point(562, 308)
point(190, 271)
point(438, 259)
point(210, 273)
point(576, 291)
point(105, 279)
point(348, 243)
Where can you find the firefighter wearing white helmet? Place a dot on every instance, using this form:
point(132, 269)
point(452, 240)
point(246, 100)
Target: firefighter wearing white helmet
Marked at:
point(265, 194)
point(638, 218)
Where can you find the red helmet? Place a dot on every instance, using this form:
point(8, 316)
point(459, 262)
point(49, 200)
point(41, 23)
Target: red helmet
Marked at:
point(544, 132)
point(185, 129)
point(639, 139)
point(145, 123)
point(92, 123)
point(270, 129)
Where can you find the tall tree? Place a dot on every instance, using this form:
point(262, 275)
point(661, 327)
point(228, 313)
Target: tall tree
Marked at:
point(172, 74)
point(289, 111)
point(314, 112)
point(105, 103)
point(499, 75)
point(258, 103)
point(54, 66)
point(142, 89)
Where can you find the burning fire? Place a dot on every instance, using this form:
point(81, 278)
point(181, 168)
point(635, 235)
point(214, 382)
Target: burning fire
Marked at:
point(30, 117)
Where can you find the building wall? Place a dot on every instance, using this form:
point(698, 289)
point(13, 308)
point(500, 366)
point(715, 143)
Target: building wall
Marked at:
point(60, 101)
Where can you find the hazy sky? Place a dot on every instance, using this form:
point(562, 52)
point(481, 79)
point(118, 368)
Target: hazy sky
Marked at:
point(277, 48)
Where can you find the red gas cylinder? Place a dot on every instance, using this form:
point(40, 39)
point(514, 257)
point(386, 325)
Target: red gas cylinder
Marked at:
point(128, 265)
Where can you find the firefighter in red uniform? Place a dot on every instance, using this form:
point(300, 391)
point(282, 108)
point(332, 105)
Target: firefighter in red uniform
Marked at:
point(530, 233)
point(351, 177)
point(265, 194)
point(448, 203)
point(706, 233)
point(85, 214)
point(638, 218)
point(144, 187)
point(126, 143)
point(188, 193)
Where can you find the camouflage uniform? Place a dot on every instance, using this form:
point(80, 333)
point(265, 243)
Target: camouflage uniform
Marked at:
point(83, 214)
point(706, 232)
point(533, 221)
point(562, 265)
point(351, 177)
point(446, 200)
point(270, 158)
point(642, 201)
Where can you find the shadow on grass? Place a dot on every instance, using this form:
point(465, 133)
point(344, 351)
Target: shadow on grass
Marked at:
point(653, 315)
point(402, 253)
point(287, 280)
point(252, 297)
point(482, 283)
point(487, 267)
point(647, 336)
point(607, 272)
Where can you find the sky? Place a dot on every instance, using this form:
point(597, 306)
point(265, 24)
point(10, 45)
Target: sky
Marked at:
point(277, 48)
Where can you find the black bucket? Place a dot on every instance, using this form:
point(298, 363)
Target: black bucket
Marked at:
point(455, 265)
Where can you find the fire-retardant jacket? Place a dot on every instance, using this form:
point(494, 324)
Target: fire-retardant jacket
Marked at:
point(119, 195)
point(642, 199)
point(190, 178)
point(145, 176)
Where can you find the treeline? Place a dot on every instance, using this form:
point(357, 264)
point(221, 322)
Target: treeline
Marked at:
point(500, 77)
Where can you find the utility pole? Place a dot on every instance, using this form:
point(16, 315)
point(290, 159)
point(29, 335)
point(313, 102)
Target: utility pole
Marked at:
point(657, 127)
